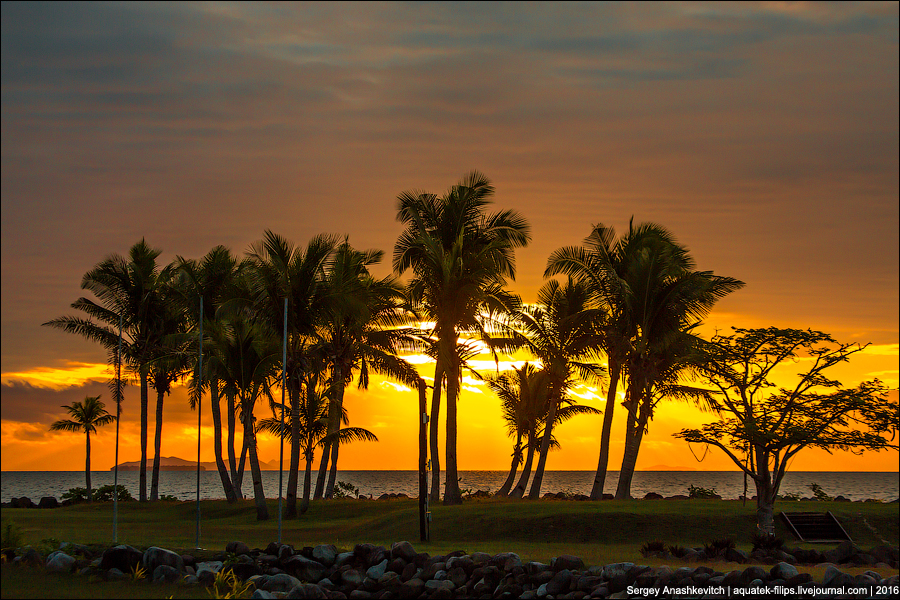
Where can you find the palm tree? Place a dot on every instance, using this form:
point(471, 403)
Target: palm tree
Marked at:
point(360, 330)
point(86, 416)
point(669, 299)
point(615, 270)
point(210, 279)
point(130, 288)
point(461, 258)
point(523, 396)
point(250, 355)
point(280, 270)
point(313, 427)
point(562, 331)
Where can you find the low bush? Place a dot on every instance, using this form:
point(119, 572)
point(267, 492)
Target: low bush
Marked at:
point(701, 492)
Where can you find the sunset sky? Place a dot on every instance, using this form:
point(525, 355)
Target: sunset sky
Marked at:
point(763, 135)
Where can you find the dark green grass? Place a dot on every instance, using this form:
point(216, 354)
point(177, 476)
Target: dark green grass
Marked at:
point(599, 532)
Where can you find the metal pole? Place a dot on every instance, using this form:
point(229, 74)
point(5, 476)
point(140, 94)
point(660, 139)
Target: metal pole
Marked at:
point(118, 415)
point(199, 415)
point(283, 385)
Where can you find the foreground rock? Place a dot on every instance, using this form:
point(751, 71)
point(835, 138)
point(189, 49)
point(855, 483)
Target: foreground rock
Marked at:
point(375, 572)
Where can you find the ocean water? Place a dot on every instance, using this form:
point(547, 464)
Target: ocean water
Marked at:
point(729, 484)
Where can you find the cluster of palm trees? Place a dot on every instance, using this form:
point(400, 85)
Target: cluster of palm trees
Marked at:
point(314, 318)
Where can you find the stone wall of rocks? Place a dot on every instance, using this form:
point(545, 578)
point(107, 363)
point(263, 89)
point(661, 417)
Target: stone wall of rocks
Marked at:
point(370, 571)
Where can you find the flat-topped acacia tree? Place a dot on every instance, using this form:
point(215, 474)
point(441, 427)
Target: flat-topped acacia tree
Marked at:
point(763, 426)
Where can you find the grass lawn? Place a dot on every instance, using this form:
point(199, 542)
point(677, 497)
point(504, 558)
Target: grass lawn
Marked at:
point(599, 532)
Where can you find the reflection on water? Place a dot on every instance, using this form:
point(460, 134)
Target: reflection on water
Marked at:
point(729, 484)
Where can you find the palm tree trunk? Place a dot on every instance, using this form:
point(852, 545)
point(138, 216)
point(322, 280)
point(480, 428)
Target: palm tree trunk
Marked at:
point(307, 481)
point(522, 485)
point(293, 475)
point(336, 444)
point(259, 496)
point(600, 477)
point(433, 431)
point(452, 494)
point(232, 459)
point(242, 463)
point(535, 492)
point(227, 484)
point(87, 466)
point(634, 432)
point(323, 471)
point(517, 455)
point(142, 493)
point(157, 447)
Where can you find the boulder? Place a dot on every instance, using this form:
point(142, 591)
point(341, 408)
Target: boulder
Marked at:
point(262, 595)
point(735, 555)
point(48, 502)
point(753, 573)
point(653, 496)
point(325, 554)
point(212, 566)
point(352, 577)
point(567, 561)
point(844, 552)
point(279, 583)
point(32, 558)
point(560, 583)
point(403, 550)
point(165, 574)
point(237, 548)
point(307, 590)
point(155, 556)
point(115, 575)
point(411, 589)
point(783, 570)
point(304, 569)
point(377, 571)
point(60, 562)
point(615, 570)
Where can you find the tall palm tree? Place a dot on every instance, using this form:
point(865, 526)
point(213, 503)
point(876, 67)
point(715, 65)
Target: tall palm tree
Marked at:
point(130, 288)
point(562, 331)
point(86, 416)
point(360, 330)
point(250, 356)
point(669, 299)
point(313, 427)
point(210, 279)
point(279, 270)
point(460, 258)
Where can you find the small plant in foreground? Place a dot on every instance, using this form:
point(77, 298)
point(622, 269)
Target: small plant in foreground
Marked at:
point(767, 543)
point(168, 498)
point(790, 496)
point(701, 492)
point(718, 548)
point(677, 551)
point(653, 547)
point(227, 585)
point(345, 490)
point(819, 493)
point(11, 539)
point(138, 573)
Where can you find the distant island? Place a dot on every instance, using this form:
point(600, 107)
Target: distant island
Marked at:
point(173, 463)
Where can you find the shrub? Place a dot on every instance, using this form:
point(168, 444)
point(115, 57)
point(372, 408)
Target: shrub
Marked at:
point(345, 490)
point(677, 551)
point(701, 492)
point(105, 493)
point(168, 498)
point(76, 494)
point(652, 547)
point(718, 548)
point(11, 539)
point(819, 493)
point(791, 496)
point(766, 542)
